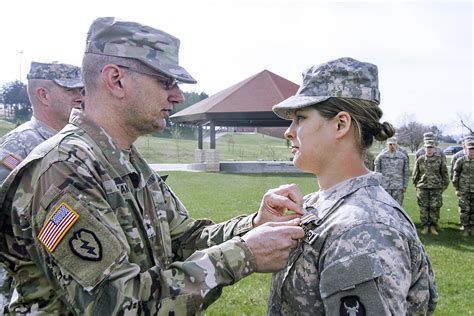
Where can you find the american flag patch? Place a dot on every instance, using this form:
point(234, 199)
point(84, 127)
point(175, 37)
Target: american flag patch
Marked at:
point(57, 226)
point(11, 161)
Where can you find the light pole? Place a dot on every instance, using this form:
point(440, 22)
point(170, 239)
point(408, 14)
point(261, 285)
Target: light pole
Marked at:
point(21, 54)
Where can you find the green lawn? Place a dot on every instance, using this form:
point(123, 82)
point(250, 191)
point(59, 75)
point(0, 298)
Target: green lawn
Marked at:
point(227, 195)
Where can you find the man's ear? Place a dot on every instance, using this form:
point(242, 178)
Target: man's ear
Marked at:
point(42, 94)
point(343, 124)
point(113, 76)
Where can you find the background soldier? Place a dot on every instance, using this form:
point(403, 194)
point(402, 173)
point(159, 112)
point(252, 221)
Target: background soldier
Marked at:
point(463, 181)
point(53, 90)
point(429, 136)
point(460, 153)
point(392, 164)
point(100, 232)
point(430, 176)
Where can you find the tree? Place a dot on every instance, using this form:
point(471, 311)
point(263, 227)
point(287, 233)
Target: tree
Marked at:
point(15, 96)
point(411, 135)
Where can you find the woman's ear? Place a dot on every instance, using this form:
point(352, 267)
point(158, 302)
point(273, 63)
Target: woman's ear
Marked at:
point(343, 123)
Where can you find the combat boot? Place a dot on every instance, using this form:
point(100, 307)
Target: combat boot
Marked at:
point(424, 231)
point(433, 230)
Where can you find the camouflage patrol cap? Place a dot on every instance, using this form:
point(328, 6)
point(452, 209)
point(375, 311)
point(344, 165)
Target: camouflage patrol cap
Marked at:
point(392, 140)
point(467, 138)
point(65, 75)
point(155, 48)
point(344, 78)
point(470, 144)
point(429, 143)
point(428, 135)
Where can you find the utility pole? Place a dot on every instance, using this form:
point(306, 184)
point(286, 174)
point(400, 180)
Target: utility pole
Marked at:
point(21, 54)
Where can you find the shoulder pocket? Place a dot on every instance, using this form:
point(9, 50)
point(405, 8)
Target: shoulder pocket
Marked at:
point(79, 243)
point(353, 277)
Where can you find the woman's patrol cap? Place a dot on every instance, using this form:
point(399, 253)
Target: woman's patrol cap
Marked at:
point(155, 48)
point(344, 77)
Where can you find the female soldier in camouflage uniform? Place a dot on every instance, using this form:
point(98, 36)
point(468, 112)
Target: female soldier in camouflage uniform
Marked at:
point(361, 254)
point(463, 181)
point(430, 176)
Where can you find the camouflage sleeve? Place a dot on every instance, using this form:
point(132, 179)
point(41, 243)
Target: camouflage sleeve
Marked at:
point(453, 162)
point(444, 174)
point(416, 173)
point(457, 174)
point(8, 162)
point(119, 278)
point(406, 172)
point(13, 144)
point(370, 267)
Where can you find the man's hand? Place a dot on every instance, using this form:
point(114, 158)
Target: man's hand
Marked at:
point(276, 202)
point(272, 243)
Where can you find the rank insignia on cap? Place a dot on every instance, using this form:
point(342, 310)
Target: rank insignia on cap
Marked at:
point(10, 161)
point(57, 226)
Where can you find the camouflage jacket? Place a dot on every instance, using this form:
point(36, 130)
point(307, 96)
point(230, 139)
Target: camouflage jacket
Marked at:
point(90, 229)
point(438, 152)
point(463, 176)
point(21, 141)
point(430, 173)
point(360, 253)
point(394, 168)
point(454, 158)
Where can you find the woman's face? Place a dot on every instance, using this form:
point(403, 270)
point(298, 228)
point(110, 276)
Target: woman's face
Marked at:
point(309, 134)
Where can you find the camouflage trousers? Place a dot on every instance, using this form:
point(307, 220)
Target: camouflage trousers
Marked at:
point(5, 286)
point(466, 208)
point(430, 202)
point(397, 195)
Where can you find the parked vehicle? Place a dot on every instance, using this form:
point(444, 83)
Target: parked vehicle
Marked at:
point(451, 150)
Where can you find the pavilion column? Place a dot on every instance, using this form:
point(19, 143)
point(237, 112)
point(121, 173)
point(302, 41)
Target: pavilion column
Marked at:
point(213, 135)
point(199, 153)
point(212, 155)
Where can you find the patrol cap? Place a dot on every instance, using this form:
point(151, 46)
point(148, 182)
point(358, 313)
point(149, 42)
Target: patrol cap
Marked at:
point(155, 48)
point(467, 138)
point(470, 144)
point(429, 143)
point(65, 75)
point(344, 77)
point(392, 140)
point(428, 135)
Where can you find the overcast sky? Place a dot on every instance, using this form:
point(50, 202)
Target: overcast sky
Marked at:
point(424, 49)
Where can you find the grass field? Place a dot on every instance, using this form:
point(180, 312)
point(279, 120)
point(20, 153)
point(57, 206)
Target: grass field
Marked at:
point(227, 195)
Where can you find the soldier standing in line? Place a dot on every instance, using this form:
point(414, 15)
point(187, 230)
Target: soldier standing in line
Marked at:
point(91, 229)
point(429, 136)
point(53, 90)
point(392, 164)
point(460, 153)
point(463, 182)
point(430, 176)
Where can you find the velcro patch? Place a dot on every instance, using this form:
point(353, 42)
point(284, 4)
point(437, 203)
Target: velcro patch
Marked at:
point(10, 161)
point(57, 226)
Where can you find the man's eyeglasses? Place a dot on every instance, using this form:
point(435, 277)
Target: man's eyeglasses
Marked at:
point(167, 82)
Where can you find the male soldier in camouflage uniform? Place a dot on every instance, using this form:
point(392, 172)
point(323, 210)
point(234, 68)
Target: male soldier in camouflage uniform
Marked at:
point(460, 153)
point(53, 90)
point(430, 177)
point(429, 136)
point(92, 230)
point(392, 164)
point(463, 181)
point(361, 254)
